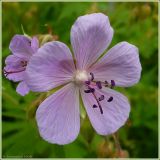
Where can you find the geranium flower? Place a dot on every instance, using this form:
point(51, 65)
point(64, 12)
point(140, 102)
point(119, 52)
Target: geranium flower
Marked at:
point(22, 49)
point(58, 116)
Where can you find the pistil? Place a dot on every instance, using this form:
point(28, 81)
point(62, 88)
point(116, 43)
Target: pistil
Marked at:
point(99, 105)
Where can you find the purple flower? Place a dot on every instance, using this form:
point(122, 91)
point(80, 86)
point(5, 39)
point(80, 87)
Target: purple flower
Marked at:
point(22, 49)
point(58, 116)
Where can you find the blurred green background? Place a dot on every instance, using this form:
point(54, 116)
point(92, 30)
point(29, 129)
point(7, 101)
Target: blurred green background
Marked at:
point(136, 23)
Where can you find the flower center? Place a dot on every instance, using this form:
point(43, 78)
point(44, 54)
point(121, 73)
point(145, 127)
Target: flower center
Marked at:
point(81, 76)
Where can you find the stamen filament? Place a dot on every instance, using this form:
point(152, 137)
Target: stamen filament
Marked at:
point(92, 76)
point(99, 105)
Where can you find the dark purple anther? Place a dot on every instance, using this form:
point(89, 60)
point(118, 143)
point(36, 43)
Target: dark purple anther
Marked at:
point(110, 99)
point(87, 82)
point(112, 83)
point(92, 76)
point(87, 91)
point(101, 98)
point(106, 83)
point(92, 90)
point(95, 106)
point(99, 85)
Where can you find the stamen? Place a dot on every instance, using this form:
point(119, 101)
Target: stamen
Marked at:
point(92, 76)
point(99, 105)
point(92, 83)
point(112, 83)
point(110, 99)
point(95, 106)
point(90, 90)
point(87, 91)
point(87, 82)
point(106, 83)
point(101, 98)
point(99, 85)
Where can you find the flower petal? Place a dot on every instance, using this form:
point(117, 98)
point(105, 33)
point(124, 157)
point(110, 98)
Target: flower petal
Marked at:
point(34, 44)
point(21, 46)
point(58, 116)
point(14, 76)
point(115, 113)
point(14, 68)
point(90, 36)
point(121, 64)
point(51, 66)
point(14, 60)
point(22, 88)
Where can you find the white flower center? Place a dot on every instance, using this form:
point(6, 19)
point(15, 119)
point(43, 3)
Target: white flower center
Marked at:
point(81, 76)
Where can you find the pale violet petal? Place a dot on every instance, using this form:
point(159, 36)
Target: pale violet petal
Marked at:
point(121, 64)
point(14, 73)
point(34, 44)
point(115, 113)
point(13, 60)
point(51, 66)
point(20, 46)
point(90, 36)
point(22, 88)
point(58, 116)
point(13, 69)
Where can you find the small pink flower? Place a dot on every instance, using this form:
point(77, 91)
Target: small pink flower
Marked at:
point(58, 117)
point(22, 49)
